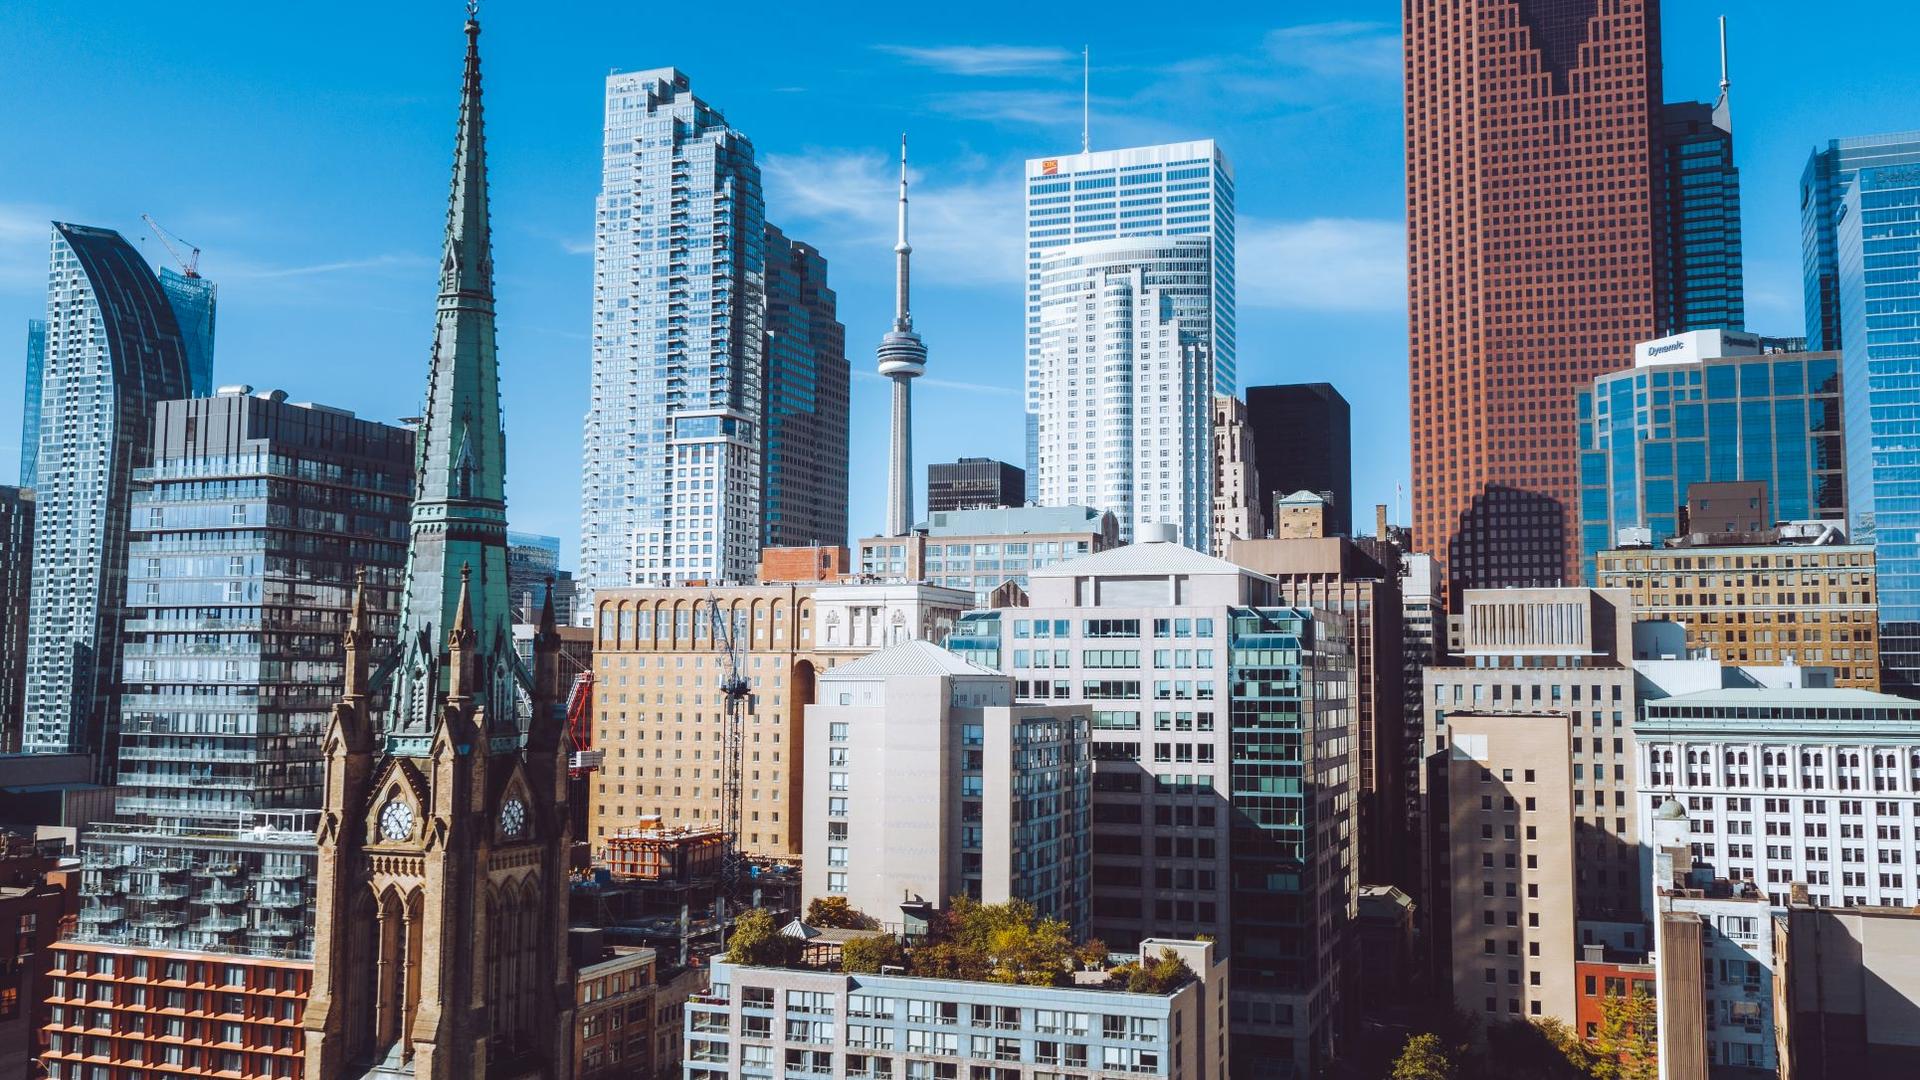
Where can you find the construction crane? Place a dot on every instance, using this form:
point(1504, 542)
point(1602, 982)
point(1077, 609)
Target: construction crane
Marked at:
point(739, 701)
point(585, 758)
point(190, 264)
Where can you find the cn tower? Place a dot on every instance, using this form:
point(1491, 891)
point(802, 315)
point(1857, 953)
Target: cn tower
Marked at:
point(903, 357)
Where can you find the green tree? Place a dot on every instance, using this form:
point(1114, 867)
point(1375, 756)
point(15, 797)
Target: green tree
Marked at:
point(1161, 975)
point(834, 912)
point(756, 939)
point(1424, 1057)
point(867, 955)
point(1626, 1046)
point(1005, 943)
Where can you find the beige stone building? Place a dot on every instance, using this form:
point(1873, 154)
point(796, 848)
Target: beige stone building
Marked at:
point(659, 715)
point(983, 550)
point(1509, 815)
point(1237, 513)
point(1815, 606)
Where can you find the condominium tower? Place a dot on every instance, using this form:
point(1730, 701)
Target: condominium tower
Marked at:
point(671, 484)
point(1126, 413)
point(194, 300)
point(30, 400)
point(1167, 192)
point(16, 589)
point(113, 348)
point(1534, 232)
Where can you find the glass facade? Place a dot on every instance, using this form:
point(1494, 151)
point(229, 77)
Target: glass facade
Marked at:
point(1122, 381)
point(30, 401)
point(805, 418)
point(1878, 259)
point(254, 519)
point(192, 297)
point(1649, 432)
point(1822, 186)
point(16, 587)
point(1706, 290)
point(113, 349)
point(670, 489)
point(1171, 190)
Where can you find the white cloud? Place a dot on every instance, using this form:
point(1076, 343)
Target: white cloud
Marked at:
point(23, 247)
point(241, 270)
point(946, 384)
point(1322, 264)
point(986, 59)
point(966, 231)
point(1338, 48)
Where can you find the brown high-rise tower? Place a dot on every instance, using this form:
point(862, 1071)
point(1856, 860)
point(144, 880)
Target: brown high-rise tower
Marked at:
point(1534, 229)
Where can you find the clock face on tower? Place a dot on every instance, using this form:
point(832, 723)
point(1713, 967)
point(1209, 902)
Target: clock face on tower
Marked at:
point(396, 821)
point(513, 818)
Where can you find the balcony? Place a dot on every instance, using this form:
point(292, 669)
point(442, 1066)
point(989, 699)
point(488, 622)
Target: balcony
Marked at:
point(217, 870)
point(220, 924)
point(220, 897)
point(160, 920)
point(157, 892)
point(278, 901)
point(102, 913)
point(279, 929)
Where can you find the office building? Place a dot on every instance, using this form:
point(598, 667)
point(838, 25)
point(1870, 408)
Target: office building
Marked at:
point(925, 781)
point(1784, 603)
point(974, 483)
point(1122, 382)
point(1565, 655)
point(16, 588)
point(1785, 785)
point(119, 1014)
point(255, 519)
point(1845, 990)
point(1505, 780)
point(1362, 584)
point(986, 552)
point(1496, 356)
point(1181, 189)
point(1423, 642)
point(1238, 513)
point(756, 1020)
point(1303, 441)
point(1196, 821)
point(36, 363)
point(445, 839)
point(1877, 232)
point(1829, 171)
point(1703, 252)
point(1708, 406)
point(193, 299)
point(804, 415)
point(671, 484)
point(661, 653)
point(1713, 962)
point(113, 349)
point(533, 561)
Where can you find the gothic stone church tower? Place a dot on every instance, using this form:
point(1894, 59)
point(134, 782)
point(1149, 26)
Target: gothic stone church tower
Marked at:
point(440, 949)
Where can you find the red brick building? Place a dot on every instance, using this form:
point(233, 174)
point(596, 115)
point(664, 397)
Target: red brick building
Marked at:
point(1534, 240)
point(1597, 980)
point(37, 903)
point(117, 1014)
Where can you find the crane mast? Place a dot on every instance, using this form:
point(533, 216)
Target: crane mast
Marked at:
point(739, 700)
point(190, 262)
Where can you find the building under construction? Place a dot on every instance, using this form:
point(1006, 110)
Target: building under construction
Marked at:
point(652, 852)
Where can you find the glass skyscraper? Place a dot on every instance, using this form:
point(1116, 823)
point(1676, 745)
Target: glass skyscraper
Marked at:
point(113, 349)
point(1822, 186)
point(1173, 190)
point(30, 400)
point(1708, 406)
point(805, 417)
point(670, 489)
point(192, 297)
point(1877, 249)
point(254, 519)
point(1123, 382)
point(1706, 289)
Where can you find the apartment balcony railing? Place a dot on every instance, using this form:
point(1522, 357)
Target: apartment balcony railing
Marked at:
point(279, 929)
point(218, 870)
point(220, 897)
point(157, 892)
point(160, 920)
point(102, 913)
point(220, 924)
point(278, 901)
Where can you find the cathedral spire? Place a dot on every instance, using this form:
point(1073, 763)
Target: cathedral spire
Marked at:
point(459, 507)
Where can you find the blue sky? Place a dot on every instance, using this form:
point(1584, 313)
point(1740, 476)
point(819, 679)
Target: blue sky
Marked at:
point(305, 148)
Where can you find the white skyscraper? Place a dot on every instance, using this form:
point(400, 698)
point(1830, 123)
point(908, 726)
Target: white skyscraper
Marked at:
point(672, 472)
point(1175, 191)
point(1123, 384)
point(903, 358)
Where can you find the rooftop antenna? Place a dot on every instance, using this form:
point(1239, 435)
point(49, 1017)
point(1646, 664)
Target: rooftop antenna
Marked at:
point(1086, 90)
point(1723, 58)
point(1722, 111)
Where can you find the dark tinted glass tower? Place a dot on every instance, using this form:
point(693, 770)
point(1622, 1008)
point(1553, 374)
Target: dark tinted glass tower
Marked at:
point(1703, 220)
point(1535, 234)
point(805, 418)
point(1303, 441)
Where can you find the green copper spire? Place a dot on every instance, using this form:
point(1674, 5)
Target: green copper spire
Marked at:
point(459, 506)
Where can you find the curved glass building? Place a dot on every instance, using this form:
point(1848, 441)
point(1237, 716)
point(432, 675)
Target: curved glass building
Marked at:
point(113, 349)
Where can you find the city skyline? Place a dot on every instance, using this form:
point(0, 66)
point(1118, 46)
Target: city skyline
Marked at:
point(342, 240)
